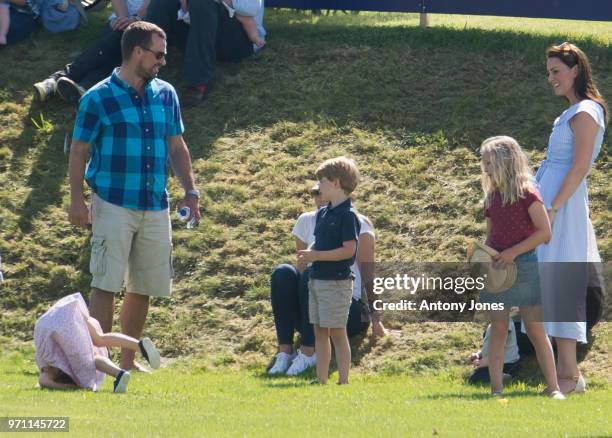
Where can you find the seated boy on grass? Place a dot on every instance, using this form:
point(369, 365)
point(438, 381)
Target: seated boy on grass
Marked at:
point(332, 254)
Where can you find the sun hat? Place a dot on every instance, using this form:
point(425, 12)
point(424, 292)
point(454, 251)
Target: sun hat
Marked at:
point(496, 279)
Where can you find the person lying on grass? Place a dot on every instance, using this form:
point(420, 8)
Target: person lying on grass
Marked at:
point(71, 350)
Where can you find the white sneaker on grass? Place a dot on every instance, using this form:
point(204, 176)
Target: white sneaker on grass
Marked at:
point(121, 382)
point(282, 363)
point(149, 352)
point(301, 363)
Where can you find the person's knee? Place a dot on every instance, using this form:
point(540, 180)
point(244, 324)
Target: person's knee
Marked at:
point(96, 338)
point(140, 298)
point(321, 331)
point(102, 294)
point(535, 330)
point(338, 333)
point(284, 273)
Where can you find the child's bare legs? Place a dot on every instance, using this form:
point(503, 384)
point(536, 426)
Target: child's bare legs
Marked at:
point(111, 339)
point(343, 353)
point(122, 377)
point(105, 365)
point(499, 334)
point(323, 349)
point(250, 27)
point(5, 21)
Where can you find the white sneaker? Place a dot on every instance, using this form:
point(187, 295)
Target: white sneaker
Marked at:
point(121, 382)
point(149, 352)
point(282, 363)
point(301, 363)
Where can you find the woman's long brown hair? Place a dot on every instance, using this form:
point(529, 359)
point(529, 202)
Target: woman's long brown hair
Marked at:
point(584, 84)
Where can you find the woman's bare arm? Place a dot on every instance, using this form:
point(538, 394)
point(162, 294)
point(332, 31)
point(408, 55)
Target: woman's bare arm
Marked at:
point(585, 130)
point(299, 245)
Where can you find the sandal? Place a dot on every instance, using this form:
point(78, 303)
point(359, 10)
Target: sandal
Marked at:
point(579, 384)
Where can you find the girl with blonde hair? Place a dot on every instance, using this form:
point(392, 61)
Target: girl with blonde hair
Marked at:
point(516, 224)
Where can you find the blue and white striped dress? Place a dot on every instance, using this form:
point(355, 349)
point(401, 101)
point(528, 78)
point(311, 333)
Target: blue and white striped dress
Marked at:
point(573, 238)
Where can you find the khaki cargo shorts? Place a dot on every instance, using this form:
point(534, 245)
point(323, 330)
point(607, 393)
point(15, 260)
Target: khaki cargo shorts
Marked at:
point(329, 302)
point(131, 246)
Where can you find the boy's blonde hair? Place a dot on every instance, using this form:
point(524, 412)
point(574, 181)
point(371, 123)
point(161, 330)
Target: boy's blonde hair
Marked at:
point(511, 174)
point(340, 168)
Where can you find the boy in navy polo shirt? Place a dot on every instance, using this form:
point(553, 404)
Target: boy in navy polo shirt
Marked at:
point(330, 287)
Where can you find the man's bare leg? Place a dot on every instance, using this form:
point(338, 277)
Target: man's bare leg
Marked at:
point(133, 316)
point(101, 307)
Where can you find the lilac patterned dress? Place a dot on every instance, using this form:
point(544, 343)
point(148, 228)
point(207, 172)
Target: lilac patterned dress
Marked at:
point(63, 341)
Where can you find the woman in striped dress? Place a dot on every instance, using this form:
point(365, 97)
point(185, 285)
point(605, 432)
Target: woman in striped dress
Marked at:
point(574, 145)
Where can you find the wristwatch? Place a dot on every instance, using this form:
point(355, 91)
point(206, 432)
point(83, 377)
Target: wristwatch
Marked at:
point(193, 192)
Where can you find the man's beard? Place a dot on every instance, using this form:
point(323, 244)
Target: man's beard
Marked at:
point(145, 75)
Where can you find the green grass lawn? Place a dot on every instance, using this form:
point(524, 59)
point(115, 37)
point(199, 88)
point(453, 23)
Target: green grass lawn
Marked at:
point(187, 400)
point(412, 106)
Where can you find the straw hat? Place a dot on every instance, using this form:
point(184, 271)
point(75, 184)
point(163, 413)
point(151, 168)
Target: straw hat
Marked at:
point(496, 279)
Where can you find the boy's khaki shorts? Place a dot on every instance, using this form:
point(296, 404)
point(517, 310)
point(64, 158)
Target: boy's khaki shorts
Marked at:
point(129, 245)
point(329, 302)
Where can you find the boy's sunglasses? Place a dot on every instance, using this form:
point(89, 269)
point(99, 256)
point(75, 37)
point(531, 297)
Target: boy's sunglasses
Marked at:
point(315, 192)
point(158, 55)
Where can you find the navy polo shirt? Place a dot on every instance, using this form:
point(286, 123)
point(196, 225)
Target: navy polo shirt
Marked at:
point(333, 227)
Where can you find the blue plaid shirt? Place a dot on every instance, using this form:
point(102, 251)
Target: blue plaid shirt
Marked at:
point(128, 138)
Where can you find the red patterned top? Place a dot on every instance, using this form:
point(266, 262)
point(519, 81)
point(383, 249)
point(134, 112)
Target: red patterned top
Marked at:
point(510, 224)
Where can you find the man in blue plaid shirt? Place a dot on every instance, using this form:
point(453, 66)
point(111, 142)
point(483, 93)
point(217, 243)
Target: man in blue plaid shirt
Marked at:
point(129, 126)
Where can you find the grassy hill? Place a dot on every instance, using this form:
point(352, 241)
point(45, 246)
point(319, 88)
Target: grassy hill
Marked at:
point(410, 105)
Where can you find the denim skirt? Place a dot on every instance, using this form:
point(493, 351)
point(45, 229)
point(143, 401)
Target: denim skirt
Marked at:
point(526, 289)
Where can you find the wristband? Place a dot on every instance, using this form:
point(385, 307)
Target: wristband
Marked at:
point(193, 192)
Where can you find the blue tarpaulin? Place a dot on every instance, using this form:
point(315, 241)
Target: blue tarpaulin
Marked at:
point(571, 9)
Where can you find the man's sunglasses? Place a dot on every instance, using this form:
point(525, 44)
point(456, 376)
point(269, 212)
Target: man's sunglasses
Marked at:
point(158, 55)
